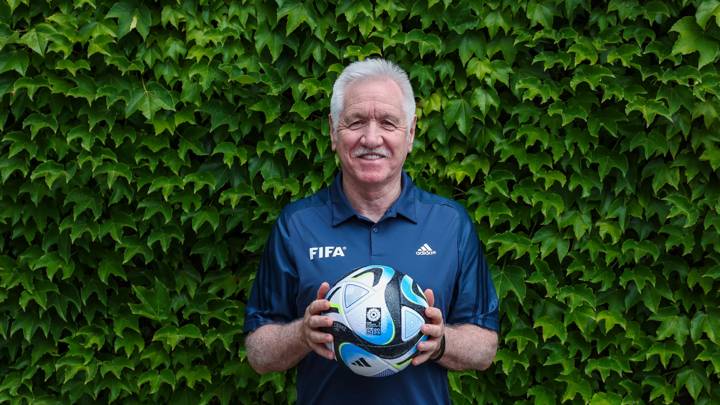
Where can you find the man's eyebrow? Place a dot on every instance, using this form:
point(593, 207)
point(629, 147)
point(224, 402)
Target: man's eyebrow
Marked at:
point(389, 116)
point(355, 115)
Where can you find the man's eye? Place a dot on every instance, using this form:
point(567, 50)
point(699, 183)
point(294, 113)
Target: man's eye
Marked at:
point(355, 124)
point(389, 124)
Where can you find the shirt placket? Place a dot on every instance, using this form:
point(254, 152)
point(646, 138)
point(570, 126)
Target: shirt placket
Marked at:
point(375, 245)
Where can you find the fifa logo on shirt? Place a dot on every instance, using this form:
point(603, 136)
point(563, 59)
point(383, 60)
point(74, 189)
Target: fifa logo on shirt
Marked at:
point(323, 252)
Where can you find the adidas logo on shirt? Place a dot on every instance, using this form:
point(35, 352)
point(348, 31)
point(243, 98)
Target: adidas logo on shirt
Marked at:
point(425, 250)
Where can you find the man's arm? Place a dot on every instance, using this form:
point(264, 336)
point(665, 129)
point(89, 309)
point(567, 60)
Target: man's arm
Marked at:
point(278, 347)
point(467, 346)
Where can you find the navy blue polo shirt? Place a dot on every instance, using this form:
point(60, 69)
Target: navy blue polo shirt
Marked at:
point(322, 238)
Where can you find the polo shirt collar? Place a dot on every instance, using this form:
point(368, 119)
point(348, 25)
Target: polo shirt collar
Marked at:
point(404, 206)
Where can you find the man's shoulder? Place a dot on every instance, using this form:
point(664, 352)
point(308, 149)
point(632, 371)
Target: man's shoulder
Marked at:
point(447, 205)
point(315, 201)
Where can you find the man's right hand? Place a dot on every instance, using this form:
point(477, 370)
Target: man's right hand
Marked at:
point(312, 335)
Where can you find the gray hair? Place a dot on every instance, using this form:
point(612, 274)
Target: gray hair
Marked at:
point(371, 68)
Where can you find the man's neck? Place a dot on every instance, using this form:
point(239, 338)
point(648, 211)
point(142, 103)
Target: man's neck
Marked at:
point(372, 203)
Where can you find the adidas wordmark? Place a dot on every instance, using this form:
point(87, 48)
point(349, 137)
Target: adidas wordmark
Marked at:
point(425, 250)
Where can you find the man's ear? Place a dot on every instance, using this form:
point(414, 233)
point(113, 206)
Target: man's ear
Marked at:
point(332, 132)
point(411, 133)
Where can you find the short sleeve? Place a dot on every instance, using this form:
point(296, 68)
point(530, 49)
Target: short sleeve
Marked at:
point(272, 298)
point(474, 299)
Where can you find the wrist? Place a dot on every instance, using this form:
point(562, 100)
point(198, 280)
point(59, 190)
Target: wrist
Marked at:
point(300, 333)
point(437, 355)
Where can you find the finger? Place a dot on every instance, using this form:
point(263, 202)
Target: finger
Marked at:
point(434, 331)
point(421, 358)
point(430, 296)
point(318, 306)
point(322, 351)
point(434, 315)
point(429, 347)
point(324, 288)
point(316, 322)
point(316, 337)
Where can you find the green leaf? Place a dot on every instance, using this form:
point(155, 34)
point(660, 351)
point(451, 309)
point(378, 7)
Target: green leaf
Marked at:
point(297, 14)
point(165, 235)
point(193, 374)
point(14, 60)
point(458, 112)
point(606, 398)
point(37, 121)
point(576, 296)
point(82, 201)
point(682, 206)
point(468, 167)
point(551, 242)
point(230, 151)
point(660, 388)
point(154, 303)
point(712, 355)
point(584, 50)
point(540, 13)
point(50, 171)
point(693, 39)
point(150, 99)
point(156, 379)
point(511, 278)
point(522, 337)
point(484, 98)
point(709, 324)
point(267, 38)
point(665, 351)
point(693, 380)
point(129, 343)
point(576, 385)
point(494, 20)
point(270, 107)
point(551, 326)
point(508, 241)
point(131, 17)
point(133, 246)
point(172, 335)
point(706, 10)
point(640, 275)
point(542, 395)
point(109, 265)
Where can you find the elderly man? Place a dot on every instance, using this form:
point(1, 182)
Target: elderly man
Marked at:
point(372, 214)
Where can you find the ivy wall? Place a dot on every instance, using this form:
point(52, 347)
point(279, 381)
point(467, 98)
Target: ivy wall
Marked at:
point(147, 147)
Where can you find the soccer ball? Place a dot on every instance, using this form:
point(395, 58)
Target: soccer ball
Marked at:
point(377, 313)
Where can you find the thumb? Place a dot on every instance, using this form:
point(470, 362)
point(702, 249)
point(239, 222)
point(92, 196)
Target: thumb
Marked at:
point(324, 288)
point(430, 296)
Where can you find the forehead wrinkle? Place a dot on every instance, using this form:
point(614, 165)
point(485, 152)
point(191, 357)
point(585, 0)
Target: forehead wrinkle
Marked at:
point(359, 110)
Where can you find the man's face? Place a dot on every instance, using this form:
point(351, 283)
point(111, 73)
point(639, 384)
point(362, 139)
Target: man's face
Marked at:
point(373, 136)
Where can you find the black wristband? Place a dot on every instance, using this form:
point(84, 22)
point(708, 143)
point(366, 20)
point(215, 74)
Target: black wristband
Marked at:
point(441, 351)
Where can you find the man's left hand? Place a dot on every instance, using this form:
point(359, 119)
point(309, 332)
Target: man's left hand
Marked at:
point(434, 330)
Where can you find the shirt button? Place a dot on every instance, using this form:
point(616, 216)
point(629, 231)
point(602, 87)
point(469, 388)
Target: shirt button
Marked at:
point(375, 229)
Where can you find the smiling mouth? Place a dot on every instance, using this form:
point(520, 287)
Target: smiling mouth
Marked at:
point(371, 156)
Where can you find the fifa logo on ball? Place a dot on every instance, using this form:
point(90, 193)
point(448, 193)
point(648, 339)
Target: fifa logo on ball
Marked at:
point(372, 321)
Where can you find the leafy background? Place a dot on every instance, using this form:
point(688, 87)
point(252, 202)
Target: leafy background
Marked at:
point(146, 148)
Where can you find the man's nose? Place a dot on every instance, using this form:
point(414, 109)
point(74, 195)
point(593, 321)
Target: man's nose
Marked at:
point(372, 136)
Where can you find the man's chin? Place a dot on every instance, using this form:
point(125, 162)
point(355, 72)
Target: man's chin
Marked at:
point(374, 178)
